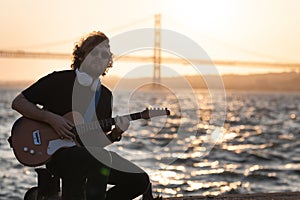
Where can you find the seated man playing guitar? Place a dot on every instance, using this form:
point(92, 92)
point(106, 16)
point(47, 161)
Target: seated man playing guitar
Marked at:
point(83, 176)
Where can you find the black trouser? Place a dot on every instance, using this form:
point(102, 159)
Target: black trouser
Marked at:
point(85, 177)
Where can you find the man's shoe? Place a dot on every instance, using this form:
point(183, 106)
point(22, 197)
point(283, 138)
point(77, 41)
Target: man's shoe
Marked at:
point(148, 194)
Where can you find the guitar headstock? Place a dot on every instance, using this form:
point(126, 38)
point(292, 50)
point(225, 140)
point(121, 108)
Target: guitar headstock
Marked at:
point(154, 112)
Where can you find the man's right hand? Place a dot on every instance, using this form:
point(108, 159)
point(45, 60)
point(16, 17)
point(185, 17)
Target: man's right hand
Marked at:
point(62, 126)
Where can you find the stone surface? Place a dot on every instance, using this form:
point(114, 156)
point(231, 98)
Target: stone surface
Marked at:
point(256, 196)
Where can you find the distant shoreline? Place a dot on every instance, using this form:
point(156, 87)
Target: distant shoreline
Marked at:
point(289, 81)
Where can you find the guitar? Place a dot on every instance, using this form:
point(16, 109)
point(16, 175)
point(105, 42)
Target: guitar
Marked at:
point(35, 142)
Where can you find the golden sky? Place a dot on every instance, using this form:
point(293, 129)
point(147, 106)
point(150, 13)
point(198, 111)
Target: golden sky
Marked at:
point(263, 30)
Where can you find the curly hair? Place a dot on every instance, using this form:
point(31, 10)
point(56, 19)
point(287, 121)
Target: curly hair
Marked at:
point(85, 45)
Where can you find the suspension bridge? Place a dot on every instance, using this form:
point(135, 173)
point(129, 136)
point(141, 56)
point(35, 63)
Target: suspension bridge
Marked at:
point(156, 59)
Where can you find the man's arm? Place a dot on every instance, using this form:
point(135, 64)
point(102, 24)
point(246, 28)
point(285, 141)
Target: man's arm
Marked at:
point(61, 125)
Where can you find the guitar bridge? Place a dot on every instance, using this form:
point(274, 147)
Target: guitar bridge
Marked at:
point(36, 137)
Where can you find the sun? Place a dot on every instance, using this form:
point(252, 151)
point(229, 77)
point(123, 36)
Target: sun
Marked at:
point(199, 13)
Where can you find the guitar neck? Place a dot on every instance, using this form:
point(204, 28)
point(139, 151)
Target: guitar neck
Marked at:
point(105, 123)
point(111, 121)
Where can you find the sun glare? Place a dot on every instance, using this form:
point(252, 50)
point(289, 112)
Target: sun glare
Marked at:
point(197, 13)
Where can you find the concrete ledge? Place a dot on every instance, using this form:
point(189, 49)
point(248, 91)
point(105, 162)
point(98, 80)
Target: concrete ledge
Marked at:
point(255, 196)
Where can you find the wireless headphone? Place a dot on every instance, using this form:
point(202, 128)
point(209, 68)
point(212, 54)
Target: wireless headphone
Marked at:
point(86, 80)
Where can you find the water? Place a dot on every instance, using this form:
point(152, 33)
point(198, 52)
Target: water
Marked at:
point(257, 149)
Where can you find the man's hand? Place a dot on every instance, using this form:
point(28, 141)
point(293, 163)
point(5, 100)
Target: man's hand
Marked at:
point(62, 126)
point(122, 123)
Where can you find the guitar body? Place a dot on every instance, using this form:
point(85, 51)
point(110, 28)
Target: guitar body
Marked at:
point(35, 142)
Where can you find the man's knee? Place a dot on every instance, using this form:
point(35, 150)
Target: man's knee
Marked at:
point(73, 189)
point(142, 182)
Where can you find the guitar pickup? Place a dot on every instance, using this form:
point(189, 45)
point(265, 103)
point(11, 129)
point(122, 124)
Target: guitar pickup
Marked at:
point(36, 137)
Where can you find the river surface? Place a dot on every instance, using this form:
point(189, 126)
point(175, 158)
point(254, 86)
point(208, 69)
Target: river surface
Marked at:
point(244, 142)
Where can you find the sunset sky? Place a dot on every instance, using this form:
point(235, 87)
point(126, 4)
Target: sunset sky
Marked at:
point(256, 30)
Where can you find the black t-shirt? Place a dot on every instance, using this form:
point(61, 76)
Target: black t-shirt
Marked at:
point(60, 93)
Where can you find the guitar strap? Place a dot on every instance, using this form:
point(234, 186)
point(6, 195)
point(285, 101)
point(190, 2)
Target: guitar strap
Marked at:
point(93, 105)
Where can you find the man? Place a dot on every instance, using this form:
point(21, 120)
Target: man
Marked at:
point(84, 176)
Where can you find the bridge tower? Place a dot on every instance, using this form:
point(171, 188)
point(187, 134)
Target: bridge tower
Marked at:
point(157, 49)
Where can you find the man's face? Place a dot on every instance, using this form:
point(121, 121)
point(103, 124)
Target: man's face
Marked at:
point(97, 60)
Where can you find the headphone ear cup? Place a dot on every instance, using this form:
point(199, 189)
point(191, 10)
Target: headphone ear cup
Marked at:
point(83, 78)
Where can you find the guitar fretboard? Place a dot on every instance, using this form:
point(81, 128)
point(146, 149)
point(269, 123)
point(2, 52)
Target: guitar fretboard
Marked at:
point(104, 123)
